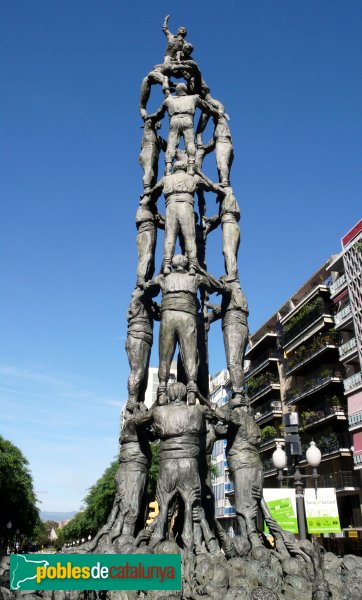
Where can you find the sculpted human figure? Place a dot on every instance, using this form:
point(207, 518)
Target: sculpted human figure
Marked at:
point(175, 43)
point(142, 312)
point(228, 217)
point(178, 427)
point(132, 475)
point(222, 141)
point(151, 145)
point(223, 148)
point(243, 439)
point(148, 220)
point(181, 110)
point(178, 321)
point(131, 479)
point(179, 189)
point(234, 314)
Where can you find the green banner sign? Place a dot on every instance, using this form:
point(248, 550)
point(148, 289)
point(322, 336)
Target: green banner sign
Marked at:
point(281, 503)
point(95, 571)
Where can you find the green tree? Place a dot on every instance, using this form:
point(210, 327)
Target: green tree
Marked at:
point(18, 500)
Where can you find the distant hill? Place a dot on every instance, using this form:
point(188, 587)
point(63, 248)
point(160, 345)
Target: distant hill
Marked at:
point(56, 516)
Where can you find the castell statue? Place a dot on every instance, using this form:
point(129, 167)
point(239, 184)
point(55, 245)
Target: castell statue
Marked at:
point(182, 420)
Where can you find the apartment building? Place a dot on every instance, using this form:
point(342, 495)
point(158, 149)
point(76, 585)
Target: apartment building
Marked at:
point(220, 392)
point(314, 387)
point(307, 358)
point(346, 295)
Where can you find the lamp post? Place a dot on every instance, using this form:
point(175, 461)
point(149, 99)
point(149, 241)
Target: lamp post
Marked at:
point(8, 527)
point(313, 456)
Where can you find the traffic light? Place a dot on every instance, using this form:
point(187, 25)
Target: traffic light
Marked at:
point(152, 513)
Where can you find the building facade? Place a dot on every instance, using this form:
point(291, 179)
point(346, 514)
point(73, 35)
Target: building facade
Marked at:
point(307, 358)
point(346, 295)
point(152, 383)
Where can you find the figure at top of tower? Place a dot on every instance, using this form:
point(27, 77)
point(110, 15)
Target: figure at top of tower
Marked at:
point(176, 44)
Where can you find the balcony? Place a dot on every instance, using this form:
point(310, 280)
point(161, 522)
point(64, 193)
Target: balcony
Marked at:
point(322, 413)
point(305, 355)
point(355, 421)
point(340, 480)
point(267, 339)
point(343, 316)
point(308, 317)
point(338, 285)
point(332, 444)
point(353, 382)
point(263, 390)
point(313, 385)
point(349, 347)
point(268, 411)
point(269, 443)
point(261, 362)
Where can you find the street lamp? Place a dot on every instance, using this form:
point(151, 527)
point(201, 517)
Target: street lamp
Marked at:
point(313, 456)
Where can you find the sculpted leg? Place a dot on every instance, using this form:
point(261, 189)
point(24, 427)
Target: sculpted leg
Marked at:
point(187, 336)
point(172, 145)
point(165, 493)
point(146, 244)
point(149, 162)
point(189, 137)
point(171, 230)
point(230, 246)
point(138, 352)
point(136, 483)
point(245, 504)
point(187, 226)
point(167, 346)
point(235, 341)
point(224, 159)
point(152, 78)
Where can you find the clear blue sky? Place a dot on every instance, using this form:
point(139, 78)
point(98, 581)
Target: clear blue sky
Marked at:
point(288, 73)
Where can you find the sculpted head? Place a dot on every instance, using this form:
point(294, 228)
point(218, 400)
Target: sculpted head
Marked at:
point(187, 50)
point(181, 89)
point(179, 263)
point(177, 392)
point(182, 31)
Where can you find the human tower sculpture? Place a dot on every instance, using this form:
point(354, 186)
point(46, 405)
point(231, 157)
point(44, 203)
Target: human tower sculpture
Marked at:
point(182, 419)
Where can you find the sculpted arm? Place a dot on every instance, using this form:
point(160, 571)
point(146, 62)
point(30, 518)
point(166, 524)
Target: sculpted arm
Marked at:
point(215, 312)
point(159, 114)
point(210, 283)
point(212, 223)
point(153, 287)
point(155, 192)
point(206, 183)
point(143, 418)
point(206, 107)
point(165, 28)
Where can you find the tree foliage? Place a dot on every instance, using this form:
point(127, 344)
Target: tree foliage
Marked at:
point(18, 500)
